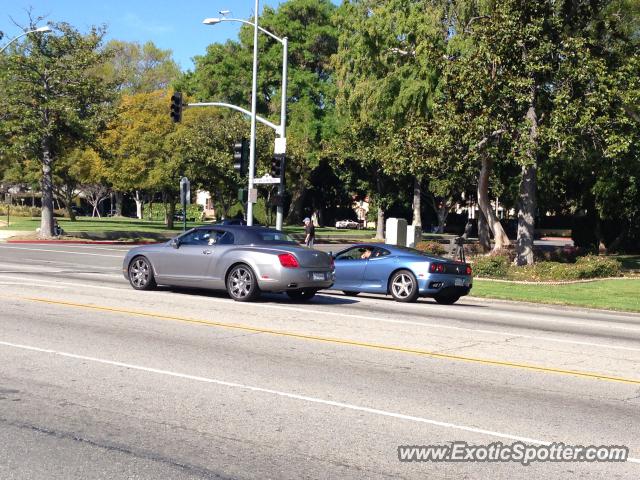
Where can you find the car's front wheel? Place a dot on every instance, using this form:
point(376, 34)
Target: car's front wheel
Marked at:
point(446, 299)
point(303, 294)
point(242, 285)
point(404, 286)
point(141, 274)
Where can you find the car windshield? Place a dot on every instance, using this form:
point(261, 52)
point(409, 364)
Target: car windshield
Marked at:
point(275, 237)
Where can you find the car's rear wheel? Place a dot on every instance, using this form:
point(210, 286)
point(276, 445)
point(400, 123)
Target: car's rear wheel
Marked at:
point(141, 274)
point(242, 285)
point(446, 299)
point(303, 294)
point(350, 293)
point(403, 286)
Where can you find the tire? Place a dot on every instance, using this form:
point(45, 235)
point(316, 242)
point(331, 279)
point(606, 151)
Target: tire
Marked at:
point(140, 274)
point(446, 299)
point(242, 284)
point(403, 286)
point(349, 293)
point(303, 294)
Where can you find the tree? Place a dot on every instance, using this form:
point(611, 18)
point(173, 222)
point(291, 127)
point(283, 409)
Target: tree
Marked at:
point(53, 99)
point(136, 68)
point(135, 144)
point(224, 74)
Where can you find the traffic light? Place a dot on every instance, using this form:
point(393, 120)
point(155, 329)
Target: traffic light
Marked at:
point(277, 166)
point(176, 107)
point(241, 156)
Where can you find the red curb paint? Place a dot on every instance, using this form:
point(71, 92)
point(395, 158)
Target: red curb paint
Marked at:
point(80, 242)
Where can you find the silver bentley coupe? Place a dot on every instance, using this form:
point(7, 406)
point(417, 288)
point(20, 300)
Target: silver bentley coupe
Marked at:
point(243, 260)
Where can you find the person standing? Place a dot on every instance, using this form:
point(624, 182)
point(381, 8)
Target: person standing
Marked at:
point(310, 233)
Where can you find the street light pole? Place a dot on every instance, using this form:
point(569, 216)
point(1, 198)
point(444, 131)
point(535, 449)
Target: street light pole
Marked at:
point(283, 130)
point(35, 30)
point(254, 107)
point(279, 129)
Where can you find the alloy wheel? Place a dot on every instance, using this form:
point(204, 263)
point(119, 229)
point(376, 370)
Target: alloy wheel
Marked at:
point(140, 273)
point(402, 286)
point(240, 283)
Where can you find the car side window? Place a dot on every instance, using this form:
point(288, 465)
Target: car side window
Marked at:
point(380, 252)
point(356, 253)
point(198, 237)
point(225, 238)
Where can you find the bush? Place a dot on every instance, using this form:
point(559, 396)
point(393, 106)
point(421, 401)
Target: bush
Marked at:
point(496, 266)
point(566, 254)
point(593, 266)
point(433, 248)
point(585, 267)
point(19, 211)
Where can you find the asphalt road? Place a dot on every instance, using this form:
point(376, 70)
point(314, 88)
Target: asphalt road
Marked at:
point(100, 381)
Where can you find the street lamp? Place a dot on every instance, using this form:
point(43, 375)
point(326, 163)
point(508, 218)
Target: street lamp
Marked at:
point(44, 29)
point(281, 130)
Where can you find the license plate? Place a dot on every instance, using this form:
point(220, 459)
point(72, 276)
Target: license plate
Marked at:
point(459, 282)
point(319, 276)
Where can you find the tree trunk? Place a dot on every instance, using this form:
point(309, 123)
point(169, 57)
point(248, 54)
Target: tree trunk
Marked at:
point(139, 205)
point(483, 232)
point(171, 210)
point(297, 203)
point(417, 195)
point(119, 202)
point(527, 201)
point(46, 184)
point(500, 237)
point(380, 224)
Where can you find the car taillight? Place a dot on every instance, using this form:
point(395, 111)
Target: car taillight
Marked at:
point(469, 271)
point(332, 263)
point(436, 268)
point(288, 260)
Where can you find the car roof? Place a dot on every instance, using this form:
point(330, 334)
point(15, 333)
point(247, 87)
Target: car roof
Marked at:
point(245, 235)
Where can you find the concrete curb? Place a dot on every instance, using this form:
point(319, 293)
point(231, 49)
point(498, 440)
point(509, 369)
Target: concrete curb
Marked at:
point(560, 282)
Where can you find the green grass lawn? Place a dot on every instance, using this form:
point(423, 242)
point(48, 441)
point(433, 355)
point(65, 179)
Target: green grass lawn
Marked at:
point(607, 294)
point(111, 224)
point(89, 224)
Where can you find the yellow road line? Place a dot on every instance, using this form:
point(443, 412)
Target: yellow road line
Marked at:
point(339, 341)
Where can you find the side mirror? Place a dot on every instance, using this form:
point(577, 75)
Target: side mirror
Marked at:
point(175, 243)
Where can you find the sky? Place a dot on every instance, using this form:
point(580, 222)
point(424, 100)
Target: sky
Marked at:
point(174, 25)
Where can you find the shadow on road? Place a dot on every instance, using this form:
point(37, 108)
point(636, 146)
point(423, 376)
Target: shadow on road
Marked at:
point(319, 299)
point(388, 298)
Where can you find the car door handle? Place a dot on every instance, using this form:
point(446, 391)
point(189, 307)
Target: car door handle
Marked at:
point(207, 252)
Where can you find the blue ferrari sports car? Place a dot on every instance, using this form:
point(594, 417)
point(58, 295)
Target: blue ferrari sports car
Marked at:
point(403, 272)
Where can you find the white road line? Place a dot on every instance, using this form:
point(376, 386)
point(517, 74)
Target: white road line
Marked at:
point(53, 283)
point(47, 283)
point(39, 263)
point(62, 251)
point(294, 396)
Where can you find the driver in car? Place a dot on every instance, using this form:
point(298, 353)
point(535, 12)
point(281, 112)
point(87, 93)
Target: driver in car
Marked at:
point(366, 254)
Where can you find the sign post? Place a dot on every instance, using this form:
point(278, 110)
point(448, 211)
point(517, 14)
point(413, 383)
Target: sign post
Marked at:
point(185, 199)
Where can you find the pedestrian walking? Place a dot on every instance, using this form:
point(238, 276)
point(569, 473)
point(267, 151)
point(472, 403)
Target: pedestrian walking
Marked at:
point(310, 232)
